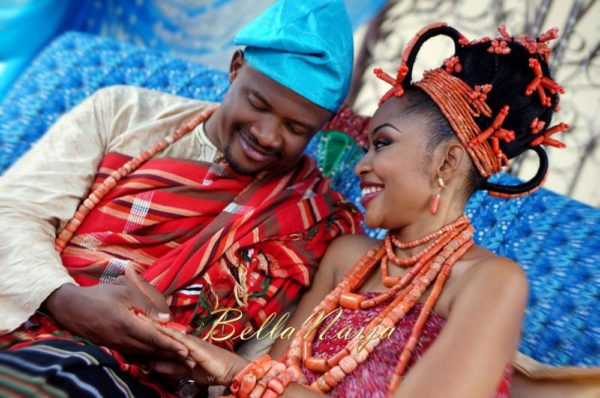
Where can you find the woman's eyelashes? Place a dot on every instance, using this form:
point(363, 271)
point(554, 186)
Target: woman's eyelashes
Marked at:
point(376, 144)
point(380, 142)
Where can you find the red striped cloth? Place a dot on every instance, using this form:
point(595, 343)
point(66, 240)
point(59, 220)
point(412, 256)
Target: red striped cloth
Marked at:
point(207, 238)
point(204, 235)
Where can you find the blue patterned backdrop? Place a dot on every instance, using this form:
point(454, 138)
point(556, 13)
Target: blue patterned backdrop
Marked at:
point(197, 30)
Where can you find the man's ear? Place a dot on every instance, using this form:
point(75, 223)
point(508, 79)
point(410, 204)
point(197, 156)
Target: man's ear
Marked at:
point(236, 65)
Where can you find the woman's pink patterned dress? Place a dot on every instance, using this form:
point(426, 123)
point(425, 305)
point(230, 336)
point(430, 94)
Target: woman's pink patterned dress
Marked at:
point(371, 378)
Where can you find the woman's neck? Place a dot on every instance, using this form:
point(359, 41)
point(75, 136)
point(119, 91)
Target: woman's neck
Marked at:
point(424, 225)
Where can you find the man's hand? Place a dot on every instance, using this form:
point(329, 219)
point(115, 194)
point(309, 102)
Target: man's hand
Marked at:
point(103, 314)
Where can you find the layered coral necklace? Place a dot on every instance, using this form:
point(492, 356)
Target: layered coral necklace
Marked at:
point(432, 265)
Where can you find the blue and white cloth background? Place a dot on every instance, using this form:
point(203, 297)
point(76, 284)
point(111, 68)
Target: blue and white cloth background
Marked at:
point(197, 30)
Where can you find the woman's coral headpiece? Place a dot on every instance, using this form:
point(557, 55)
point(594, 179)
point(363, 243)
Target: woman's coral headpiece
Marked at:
point(460, 103)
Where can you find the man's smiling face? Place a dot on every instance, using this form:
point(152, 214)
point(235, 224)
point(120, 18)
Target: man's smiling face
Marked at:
point(261, 124)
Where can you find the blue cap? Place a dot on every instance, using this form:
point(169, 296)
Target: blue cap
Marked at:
point(304, 45)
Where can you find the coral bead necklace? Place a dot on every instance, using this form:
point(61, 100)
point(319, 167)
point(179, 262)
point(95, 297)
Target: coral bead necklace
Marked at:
point(430, 266)
point(111, 181)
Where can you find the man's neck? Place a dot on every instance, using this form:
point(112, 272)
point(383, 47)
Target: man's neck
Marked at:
point(211, 129)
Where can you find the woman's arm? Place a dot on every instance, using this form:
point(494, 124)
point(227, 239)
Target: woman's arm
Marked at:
point(480, 336)
point(212, 365)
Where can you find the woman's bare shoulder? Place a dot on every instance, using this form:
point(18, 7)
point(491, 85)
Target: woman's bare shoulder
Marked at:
point(489, 265)
point(492, 278)
point(344, 252)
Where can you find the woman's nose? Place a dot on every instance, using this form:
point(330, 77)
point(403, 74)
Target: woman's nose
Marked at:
point(363, 166)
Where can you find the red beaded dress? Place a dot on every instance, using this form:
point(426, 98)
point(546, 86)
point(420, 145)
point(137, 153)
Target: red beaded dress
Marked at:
point(372, 377)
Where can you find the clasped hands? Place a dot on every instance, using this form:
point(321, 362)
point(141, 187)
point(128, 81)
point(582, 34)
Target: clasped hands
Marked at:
point(131, 316)
point(206, 363)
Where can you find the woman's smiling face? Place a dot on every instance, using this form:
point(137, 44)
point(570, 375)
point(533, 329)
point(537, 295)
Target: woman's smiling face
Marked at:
point(395, 172)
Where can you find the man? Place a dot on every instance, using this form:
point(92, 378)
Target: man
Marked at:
point(227, 215)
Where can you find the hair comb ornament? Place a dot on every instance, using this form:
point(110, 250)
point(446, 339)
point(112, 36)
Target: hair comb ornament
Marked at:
point(464, 106)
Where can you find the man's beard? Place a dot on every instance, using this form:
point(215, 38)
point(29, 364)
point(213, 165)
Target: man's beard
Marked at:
point(235, 166)
point(227, 152)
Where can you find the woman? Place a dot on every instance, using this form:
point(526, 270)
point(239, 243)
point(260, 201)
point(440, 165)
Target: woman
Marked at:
point(442, 316)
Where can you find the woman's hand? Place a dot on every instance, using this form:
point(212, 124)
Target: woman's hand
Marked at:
point(209, 364)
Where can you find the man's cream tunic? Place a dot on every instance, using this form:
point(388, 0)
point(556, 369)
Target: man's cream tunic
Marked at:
point(42, 190)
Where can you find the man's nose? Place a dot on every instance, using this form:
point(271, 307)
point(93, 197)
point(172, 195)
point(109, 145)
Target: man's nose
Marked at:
point(267, 133)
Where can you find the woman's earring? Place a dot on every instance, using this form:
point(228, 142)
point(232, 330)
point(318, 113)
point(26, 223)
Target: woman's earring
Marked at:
point(435, 199)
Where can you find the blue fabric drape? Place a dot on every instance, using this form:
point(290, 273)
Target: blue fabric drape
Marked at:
point(200, 31)
point(27, 25)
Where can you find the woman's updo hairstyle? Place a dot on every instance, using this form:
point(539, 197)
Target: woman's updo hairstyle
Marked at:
point(497, 96)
